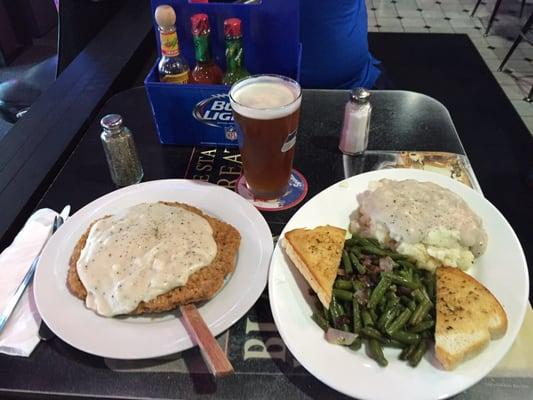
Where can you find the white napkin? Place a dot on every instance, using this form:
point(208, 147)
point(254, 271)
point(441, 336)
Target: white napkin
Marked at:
point(20, 335)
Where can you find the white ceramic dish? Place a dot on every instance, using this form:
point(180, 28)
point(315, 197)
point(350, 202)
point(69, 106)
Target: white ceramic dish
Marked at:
point(147, 337)
point(502, 269)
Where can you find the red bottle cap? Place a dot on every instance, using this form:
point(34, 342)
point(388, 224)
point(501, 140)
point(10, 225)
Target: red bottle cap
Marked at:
point(199, 24)
point(232, 27)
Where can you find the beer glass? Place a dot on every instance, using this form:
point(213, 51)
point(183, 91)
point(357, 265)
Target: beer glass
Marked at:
point(266, 110)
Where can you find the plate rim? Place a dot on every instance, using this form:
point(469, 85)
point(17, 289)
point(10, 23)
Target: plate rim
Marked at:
point(272, 286)
point(265, 251)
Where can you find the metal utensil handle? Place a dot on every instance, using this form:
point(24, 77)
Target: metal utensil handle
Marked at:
point(45, 333)
point(13, 301)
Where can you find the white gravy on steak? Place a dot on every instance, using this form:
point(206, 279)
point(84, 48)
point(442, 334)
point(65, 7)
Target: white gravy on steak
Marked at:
point(145, 251)
point(411, 209)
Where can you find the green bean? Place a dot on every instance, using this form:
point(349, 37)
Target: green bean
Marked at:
point(417, 355)
point(405, 337)
point(409, 303)
point(399, 322)
point(395, 344)
point(386, 317)
point(430, 285)
point(400, 258)
point(374, 315)
point(421, 311)
point(341, 294)
point(356, 345)
point(340, 312)
point(367, 318)
point(372, 333)
point(406, 264)
point(356, 251)
point(406, 274)
point(422, 326)
point(407, 351)
point(393, 299)
point(346, 262)
point(334, 313)
point(357, 323)
point(418, 295)
point(383, 303)
point(356, 263)
point(351, 242)
point(348, 307)
point(400, 280)
point(360, 241)
point(378, 292)
point(343, 284)
point(376, 352)
point(321, 321)
point(370, 249)
point(397, 309)
point(416, 278)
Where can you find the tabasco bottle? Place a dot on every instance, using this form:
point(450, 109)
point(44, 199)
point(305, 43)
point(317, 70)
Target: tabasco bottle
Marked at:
point(235, 68)
point(173, 67)
point(206, 70)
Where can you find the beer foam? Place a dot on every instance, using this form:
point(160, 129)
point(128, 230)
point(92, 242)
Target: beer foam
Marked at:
point(265, 97)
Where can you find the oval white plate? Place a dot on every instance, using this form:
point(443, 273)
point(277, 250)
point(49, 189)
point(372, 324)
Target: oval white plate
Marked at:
point(146, 337)
point(502, 269)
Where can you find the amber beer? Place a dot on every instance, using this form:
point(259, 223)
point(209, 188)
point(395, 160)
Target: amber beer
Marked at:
point(267, 110)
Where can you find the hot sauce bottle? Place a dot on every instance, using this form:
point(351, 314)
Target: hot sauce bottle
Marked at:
point(235, 68)
point(206, 70)
point(172, 67)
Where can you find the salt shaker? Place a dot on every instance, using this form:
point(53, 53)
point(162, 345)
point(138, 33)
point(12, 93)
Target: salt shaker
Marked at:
point(354, 135)
point(120, 151)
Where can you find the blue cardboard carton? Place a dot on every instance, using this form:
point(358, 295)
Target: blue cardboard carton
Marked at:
point(194, 114)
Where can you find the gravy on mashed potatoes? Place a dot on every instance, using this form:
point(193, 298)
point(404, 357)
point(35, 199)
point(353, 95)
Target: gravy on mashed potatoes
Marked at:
point(423, 220)
point(140, 253)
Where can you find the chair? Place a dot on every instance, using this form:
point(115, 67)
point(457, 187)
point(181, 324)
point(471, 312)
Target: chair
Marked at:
point(521, 36)
point(494, 11)
point(79, 22)
point(16, 95)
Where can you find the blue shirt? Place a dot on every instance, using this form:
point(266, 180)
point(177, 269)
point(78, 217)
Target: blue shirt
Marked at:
point(335, 46)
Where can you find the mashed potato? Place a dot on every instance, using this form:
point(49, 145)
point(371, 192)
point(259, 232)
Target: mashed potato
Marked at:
point(423, 220)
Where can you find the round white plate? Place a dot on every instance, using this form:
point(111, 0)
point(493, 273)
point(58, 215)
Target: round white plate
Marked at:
point(146, 337)
point(502, 269)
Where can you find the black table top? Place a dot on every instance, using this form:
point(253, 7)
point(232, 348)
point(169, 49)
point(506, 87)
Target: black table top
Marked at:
point(264, 367)
point(400, 121)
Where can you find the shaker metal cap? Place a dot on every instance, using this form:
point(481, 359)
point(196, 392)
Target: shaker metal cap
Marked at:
point(111, 122)
point(360, 95)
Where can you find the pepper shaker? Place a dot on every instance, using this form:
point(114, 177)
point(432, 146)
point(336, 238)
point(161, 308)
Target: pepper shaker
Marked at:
point(354, 134)
point(121, 154)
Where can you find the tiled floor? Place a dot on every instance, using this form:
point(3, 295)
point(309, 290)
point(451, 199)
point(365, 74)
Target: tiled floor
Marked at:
point(453, 16)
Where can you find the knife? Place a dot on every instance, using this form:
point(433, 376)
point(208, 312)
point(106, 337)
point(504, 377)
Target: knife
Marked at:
point(13, 301)
point(45, 333)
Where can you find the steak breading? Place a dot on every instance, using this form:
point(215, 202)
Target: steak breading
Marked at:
point(201, 285)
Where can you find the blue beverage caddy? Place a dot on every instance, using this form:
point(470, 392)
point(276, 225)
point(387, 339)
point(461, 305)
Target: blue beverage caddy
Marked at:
point(194, 114)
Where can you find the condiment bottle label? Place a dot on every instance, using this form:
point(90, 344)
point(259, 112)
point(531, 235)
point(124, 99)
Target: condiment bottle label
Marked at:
point(289, 142)
point(169, 44)
point(176, 78)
